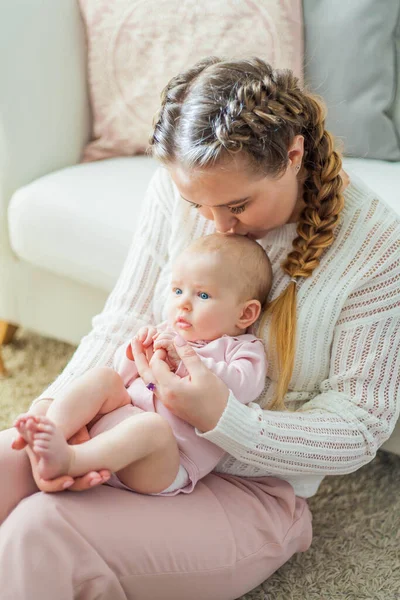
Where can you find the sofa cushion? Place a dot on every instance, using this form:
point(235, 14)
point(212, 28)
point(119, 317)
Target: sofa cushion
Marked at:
point(78, 222)
point(352, 59)
point(381, 176)
point(135, 47)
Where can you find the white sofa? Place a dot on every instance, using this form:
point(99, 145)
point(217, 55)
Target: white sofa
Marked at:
point(65, 228)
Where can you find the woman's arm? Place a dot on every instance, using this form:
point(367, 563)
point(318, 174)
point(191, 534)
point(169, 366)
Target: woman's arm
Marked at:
point(342, 427)
point(129, 304)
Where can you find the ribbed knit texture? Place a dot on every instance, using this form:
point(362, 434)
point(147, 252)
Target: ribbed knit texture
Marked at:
point(344, 396)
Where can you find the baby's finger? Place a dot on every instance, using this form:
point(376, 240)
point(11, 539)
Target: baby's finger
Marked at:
point(165, 344)
point(166, 335)
point(149, 337)
point(141, 335)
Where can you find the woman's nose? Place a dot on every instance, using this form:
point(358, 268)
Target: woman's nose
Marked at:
point(224, 221)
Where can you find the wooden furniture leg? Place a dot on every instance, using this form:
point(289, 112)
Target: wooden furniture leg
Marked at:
point(3, 371)
point(7, 332)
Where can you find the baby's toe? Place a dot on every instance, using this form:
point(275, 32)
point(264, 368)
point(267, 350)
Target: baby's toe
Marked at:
point(21, 428)
point(20, 419)
point(45, 427)
point(42, 435)
point(31, 422)
point(45, 422)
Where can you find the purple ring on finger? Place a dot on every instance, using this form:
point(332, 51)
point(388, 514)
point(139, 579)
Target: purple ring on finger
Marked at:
point(151, 386)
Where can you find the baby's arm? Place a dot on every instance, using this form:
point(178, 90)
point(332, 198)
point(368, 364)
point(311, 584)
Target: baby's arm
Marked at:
point(244, 370)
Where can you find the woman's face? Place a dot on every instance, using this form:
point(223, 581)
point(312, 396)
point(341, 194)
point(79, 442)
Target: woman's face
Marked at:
point(240, 202)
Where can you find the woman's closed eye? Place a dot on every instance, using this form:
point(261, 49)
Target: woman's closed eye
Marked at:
point(236, 210)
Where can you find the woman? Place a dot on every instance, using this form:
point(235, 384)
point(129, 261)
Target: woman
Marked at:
point(244, 146)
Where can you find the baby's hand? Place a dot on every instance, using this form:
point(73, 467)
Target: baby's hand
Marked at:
point(165, 341)
point(146, 335)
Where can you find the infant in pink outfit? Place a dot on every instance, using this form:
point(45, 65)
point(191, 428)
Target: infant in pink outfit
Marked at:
point(219, 286)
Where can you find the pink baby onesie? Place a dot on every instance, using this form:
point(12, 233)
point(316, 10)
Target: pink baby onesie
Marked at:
point(241, 364)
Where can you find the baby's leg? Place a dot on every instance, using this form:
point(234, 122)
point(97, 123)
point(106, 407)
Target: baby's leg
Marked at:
point(145, 439)
point(98, 391)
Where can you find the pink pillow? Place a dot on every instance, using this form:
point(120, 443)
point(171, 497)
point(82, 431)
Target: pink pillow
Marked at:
point(136, 46)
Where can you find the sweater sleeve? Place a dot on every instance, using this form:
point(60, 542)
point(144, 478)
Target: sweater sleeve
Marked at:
point(357, 406)
point(129, 305)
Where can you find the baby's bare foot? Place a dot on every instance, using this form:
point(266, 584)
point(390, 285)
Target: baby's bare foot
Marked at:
point(53, 453)
point(23, 426)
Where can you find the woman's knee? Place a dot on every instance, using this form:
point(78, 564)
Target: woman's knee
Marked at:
point(15, 474)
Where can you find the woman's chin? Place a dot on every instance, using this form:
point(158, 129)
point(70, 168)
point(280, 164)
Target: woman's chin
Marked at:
point(256, 235)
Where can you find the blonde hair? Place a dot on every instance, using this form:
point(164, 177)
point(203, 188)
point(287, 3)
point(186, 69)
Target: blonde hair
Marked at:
point(248, 262)
point(219, 108)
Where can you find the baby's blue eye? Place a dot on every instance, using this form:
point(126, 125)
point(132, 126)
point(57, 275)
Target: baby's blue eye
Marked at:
point(203, 295)
point(178, 291)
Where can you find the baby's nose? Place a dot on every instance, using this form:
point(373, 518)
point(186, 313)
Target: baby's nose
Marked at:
point(184, 303)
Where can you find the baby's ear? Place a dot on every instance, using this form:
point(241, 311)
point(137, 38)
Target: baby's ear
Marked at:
point(250, 313)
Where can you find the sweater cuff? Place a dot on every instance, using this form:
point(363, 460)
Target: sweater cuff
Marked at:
point(233, 424)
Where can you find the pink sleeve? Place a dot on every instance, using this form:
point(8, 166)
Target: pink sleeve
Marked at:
point(124, 366)
point(244, 371)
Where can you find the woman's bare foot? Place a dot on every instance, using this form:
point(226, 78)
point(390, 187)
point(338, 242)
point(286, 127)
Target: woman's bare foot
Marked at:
point(48, 443)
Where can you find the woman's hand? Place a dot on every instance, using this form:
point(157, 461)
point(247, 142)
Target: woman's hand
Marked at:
point(66, 481)
point(199, 398)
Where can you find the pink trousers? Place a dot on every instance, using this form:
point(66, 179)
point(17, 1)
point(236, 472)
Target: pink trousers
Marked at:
point(217, 543)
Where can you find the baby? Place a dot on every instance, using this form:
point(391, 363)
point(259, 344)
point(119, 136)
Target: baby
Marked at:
point(219, 286)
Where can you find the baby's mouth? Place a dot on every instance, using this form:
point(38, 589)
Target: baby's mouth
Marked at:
point(182, 323)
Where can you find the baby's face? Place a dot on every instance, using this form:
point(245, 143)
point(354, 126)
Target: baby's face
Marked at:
point(203, 301)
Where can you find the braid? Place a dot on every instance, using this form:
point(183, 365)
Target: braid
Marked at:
point(220, 108)
point(322, 197)
point(315, 233)
point(172, 97)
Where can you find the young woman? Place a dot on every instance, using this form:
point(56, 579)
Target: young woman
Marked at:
point(244, 150)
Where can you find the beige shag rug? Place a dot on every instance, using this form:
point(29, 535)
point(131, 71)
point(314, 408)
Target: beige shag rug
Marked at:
point(355, 554)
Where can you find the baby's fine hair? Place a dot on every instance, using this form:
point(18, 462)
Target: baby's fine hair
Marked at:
point(248, 262)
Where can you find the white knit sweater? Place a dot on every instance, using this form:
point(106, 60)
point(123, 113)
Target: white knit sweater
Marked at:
point(344, 393)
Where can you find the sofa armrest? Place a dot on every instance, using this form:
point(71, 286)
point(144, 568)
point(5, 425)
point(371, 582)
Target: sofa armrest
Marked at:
point(44, 105)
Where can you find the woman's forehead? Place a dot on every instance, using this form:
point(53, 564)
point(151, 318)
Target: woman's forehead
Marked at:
point(214, 186)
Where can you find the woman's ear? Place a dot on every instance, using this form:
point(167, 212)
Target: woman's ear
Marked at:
point(296, 150)
point(249, 315)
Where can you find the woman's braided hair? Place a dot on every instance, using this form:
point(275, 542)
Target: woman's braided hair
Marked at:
point(219, 108)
